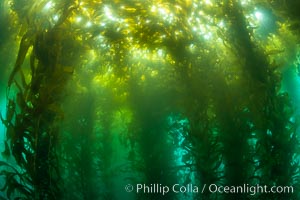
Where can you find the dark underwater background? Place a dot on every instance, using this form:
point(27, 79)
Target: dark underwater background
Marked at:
point(100, 96)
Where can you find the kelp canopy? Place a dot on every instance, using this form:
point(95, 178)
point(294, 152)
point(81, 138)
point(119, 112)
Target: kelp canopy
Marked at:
point(101, 94)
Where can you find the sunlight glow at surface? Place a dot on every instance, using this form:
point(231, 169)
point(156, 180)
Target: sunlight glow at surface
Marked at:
point(88, 24)
point(221, 24)
point(55, 18)
point(245, 2)
point(153, 8)
point(109, 14)
point(258, 15)
point(160, 53)
point(78, 19)
point(107, 11)
point(48, 6)
point(208, 2)
point(162, 11)
point(208, 36)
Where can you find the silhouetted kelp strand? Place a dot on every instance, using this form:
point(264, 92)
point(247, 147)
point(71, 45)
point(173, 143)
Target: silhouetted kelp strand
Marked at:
point(6, 153)
point(10, 110)
point(27, 122)
point(273, 116)
point(25, 43)
point(12, 182)
point(23, 156)
point(241, 43)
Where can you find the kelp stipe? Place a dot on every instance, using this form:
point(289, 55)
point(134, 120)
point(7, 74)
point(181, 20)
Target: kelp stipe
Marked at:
point(271, 126)
point(34, 113)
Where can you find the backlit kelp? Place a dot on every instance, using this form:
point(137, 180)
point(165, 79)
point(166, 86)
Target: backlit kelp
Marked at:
point(34, 113)
point(108, 93)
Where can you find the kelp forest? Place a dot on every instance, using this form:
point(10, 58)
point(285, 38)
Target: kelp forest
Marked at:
point(149, 99)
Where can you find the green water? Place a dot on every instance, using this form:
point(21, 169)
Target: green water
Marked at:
point(149, 99)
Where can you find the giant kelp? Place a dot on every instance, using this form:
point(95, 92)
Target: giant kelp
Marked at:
point(34, 113)
point(95, 83)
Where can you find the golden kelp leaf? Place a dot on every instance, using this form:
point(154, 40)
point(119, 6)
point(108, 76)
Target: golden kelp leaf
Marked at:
point(129, 9)
point(274, 51)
